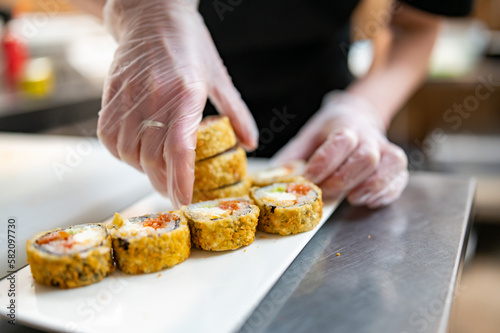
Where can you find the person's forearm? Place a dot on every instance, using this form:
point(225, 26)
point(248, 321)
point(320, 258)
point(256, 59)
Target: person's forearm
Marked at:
point(405, 65)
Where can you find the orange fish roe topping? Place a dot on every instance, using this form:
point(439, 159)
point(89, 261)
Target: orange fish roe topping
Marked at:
point(55, 236)
point(299, 189)
point(231, 205)
point(160, 222)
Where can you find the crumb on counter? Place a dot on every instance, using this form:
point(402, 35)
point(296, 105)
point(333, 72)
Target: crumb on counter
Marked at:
point(369, 236)
point(245, 250)
point(159, 274)
point(338, 254)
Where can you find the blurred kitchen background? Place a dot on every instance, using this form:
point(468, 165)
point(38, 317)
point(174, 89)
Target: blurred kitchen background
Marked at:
point(54, 60)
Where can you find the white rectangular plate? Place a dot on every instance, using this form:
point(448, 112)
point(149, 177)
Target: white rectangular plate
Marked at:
point(209, 292)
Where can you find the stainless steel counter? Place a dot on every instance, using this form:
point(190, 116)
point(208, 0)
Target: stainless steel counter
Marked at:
point(388, 270)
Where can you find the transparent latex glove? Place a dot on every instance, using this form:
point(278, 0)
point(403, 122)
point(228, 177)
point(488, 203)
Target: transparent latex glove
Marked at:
point(348, 153)
point(165, 67)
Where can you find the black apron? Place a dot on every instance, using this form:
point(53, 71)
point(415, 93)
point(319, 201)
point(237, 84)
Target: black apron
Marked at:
point(283, 56)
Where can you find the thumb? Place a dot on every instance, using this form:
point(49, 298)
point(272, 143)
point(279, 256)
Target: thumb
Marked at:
point(228, 102)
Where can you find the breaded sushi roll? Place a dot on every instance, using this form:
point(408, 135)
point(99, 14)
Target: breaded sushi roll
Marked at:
point(215, 135)
point(238, 189)
point(221, 170)
point(283, 174)
point(288, 208)
point(71, 257)
point(221, 225)
point(149, 243)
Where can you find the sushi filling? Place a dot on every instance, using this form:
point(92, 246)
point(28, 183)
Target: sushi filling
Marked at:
point(282, 171)
point(286, 194)
point(148, 225)
point(72, 240)
point(214, 210)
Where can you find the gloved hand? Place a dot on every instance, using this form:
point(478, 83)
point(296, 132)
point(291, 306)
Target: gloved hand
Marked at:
point(165, 67)
point(348, 152)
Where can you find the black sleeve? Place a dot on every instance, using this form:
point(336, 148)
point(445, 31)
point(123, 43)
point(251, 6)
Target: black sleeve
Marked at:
point(442, 7)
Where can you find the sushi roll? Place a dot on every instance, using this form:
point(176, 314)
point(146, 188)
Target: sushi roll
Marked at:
point(71, 257)
point(283, 174)
point(238, 189)
point(215, 135)
point(149, 243)
point(221, 170)
point(288, 208)
point(220, 225)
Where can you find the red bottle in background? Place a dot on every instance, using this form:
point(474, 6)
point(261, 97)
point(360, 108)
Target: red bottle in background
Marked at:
point(15, 54)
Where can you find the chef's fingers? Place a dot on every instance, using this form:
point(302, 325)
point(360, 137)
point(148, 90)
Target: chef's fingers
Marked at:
point(118, 100)
point(151, 156)
point(358, 166)
point(153, 133)
point(179, 152)
point(330, 155)
point(387, 183)
point(168, 137)
point(180, 142)
point(128, 141)
point(392, 192)
point(108, 138)
point(227, 100)
point(128, 102)
point(109, 121)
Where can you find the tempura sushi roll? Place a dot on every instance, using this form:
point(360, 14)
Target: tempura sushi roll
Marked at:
point(71, 257)
point(286, 173)
point(149, 243)
point(224, 169)
point(288, 208)
point(238, 189)
point(221, 225)
point(215, 135)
